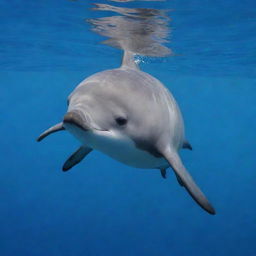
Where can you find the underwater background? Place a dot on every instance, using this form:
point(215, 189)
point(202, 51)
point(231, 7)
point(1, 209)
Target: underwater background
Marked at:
point(102, 207)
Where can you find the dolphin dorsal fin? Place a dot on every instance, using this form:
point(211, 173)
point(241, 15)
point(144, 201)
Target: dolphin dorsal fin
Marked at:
point(128, 60)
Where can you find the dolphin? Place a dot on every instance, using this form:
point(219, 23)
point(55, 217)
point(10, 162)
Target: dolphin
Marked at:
point(130, 116)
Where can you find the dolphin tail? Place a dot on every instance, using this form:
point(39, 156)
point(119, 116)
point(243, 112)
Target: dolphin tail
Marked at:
point(187, 181)
point(128, 60)
point(55, 128)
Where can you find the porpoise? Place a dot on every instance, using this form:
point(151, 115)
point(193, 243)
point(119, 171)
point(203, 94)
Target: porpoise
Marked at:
point(132, 117)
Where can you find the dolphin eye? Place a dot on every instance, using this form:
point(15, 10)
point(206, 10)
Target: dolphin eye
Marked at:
point(121, 121)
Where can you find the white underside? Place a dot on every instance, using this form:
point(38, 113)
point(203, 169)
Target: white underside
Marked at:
point(119, 147)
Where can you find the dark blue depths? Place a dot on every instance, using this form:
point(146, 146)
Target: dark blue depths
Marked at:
point(102, 207)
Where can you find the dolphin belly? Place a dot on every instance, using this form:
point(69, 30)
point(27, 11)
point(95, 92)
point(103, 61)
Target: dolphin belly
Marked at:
point(124, 150)
point(118, 147)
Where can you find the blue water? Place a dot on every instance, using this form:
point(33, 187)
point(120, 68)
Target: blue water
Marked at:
point(102, 207)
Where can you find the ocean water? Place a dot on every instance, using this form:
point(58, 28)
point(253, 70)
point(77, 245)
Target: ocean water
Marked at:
point(102, 207)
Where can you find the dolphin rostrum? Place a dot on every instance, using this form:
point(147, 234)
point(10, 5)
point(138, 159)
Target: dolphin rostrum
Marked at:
point(130, 116)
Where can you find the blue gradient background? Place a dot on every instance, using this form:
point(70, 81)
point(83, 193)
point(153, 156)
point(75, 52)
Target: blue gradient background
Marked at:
point(102, 207)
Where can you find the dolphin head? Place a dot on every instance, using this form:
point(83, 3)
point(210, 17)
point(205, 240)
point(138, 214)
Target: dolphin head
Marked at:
point(92, 108)
point(112, 109)
point(95, 110)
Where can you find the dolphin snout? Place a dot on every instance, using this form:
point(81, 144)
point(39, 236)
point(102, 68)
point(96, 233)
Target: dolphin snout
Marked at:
point(75, 118)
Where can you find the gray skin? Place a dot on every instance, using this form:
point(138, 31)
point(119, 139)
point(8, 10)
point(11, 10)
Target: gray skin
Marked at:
point(130, 116)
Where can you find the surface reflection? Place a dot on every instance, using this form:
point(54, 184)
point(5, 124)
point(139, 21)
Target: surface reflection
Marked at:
point(123, 1)
point(139, 30)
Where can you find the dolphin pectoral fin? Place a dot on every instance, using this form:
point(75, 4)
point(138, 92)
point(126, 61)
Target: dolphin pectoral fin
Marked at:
point(55, 128)
point(187, 181)
point(163, 173)
point(76, 158)
point(187, 145)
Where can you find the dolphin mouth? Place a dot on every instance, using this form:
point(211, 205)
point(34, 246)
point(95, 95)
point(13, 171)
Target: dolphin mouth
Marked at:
point(75, 118)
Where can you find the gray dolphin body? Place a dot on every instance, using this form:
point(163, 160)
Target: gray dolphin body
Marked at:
point(130, 116)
